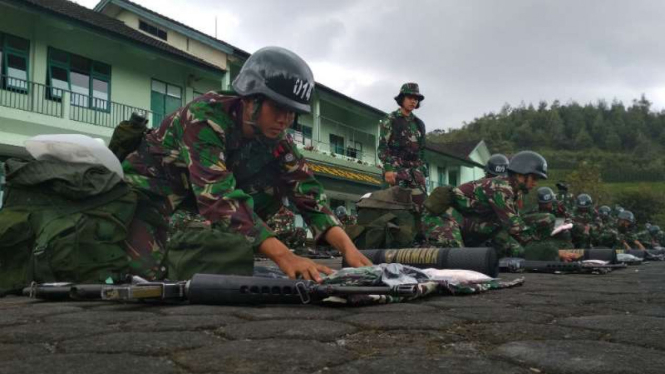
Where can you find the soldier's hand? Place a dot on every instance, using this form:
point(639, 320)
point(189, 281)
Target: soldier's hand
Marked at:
point(356, 259)
point(295, 266)
point(390, 177)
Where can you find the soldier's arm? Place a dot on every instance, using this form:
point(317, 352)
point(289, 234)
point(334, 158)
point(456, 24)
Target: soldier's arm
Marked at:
point(389, 161)
point(305, 191)
point(502, 202)
point(218, 198)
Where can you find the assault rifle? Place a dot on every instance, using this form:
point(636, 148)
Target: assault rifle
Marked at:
point(214, 289)
point(518, 265)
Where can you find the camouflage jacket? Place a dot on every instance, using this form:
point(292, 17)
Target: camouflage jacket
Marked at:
point(402, 147)
point(493, 200)
point(283, 222)
point(198, 156)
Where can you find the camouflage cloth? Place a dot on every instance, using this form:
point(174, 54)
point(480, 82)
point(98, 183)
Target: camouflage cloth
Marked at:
point(586, 227)
point(627, 235)
point(645, 238)
point(199, 161)
point(487, 209)
point(402, 150)
point(284, 225)
point(348, 220)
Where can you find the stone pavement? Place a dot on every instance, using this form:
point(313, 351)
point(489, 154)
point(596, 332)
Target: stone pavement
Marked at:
point(612, 323)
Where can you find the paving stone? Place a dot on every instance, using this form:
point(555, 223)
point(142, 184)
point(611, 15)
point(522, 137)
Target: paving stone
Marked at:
point(572, 310)
point(397, 321)
point(639, 330)
point(498, 314)
point(181, 323)
point(44, 332)
point(499, 333)
point(419, 342)
point(128, 307)
point(17, 351)
point(88, 364)
point(651, 310)
point(263, 356)
point(461, 302)
point(12, 316)
point(100, 318)
point(583, 356)
point(292, 312)
point(432, 364)
point(140, 343)
point(199, 310)
point(289, 329)
point(399, 308)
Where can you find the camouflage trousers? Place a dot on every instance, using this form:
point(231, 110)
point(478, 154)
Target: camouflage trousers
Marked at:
point(451, 229)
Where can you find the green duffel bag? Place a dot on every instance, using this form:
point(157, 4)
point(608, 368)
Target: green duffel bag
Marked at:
point(16, 241)
point(208, 250)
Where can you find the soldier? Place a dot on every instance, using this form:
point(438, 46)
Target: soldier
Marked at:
point(648, 237)
point(486, 209)
point(585, 221)
point(547, 203)
point(283, 224)
point(228, 158)
point(402, 147)
point(627, 238)
point(345, 218)
point(496, 166)
point(565, 198)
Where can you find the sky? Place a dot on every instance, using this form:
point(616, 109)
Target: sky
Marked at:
point(470, 57)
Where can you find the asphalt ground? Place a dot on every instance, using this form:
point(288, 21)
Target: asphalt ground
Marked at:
point(612, 323)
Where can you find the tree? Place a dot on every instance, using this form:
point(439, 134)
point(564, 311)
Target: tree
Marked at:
point(583, 140)
point(586, 178)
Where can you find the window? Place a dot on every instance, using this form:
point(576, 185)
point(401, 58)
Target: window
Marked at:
point(152, 30)
point(440, 173)
point(14, 53)
point(88, 80)
point(453, 176)
point(356, 151)
point(302, 134)
point(165, 98)
point(336, 144)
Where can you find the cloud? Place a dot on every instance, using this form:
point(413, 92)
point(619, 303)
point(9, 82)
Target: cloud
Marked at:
point(469, 57)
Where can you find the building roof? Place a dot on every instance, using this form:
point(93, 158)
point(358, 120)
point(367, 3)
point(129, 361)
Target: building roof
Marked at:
point(101, 22)
point(460, 151)
point(237, 51)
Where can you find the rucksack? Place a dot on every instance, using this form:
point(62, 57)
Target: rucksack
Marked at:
point(63, 222)
point(385, 220)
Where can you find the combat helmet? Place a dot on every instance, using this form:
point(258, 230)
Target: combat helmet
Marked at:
point(340, 211)
point(546, 195)
point(280, 75)
point(604, 210)
point(409, 89)
point(496, 165)
point(528, 162)
point(654, 229)
point(627, 215)
point(584, 201)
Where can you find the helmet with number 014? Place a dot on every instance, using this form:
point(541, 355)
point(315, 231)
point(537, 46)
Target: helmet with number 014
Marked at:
point(279, 75)
point(496, 165)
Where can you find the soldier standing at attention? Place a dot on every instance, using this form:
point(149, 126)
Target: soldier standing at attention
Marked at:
point(229, 160)
point(402, 147)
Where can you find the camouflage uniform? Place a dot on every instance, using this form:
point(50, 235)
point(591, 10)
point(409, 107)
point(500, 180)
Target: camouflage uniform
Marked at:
point(348, 220)
point(402, 150)
point(486, 209)
point(645, 238)
point(585, 227)
point(199, 161)
point(284, 225)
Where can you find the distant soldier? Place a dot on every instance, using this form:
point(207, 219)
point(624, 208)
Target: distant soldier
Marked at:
point(496, 166)
point(547, 203)
point(565, 198)
point(606, 233)
point(486, 209)
point(345, 218)
point(648, 236)
point(402, 147)
point(627, 238)
point(585, 221)
point(283, 224)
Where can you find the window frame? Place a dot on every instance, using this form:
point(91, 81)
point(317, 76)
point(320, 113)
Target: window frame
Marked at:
point(343, 150)
point(166, 94)
point(5, 52)
point(93, 74)
point(148, 30)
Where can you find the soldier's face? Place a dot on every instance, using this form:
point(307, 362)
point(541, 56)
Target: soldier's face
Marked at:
point(274, 119)
point(409, 103)
point(529, 182)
